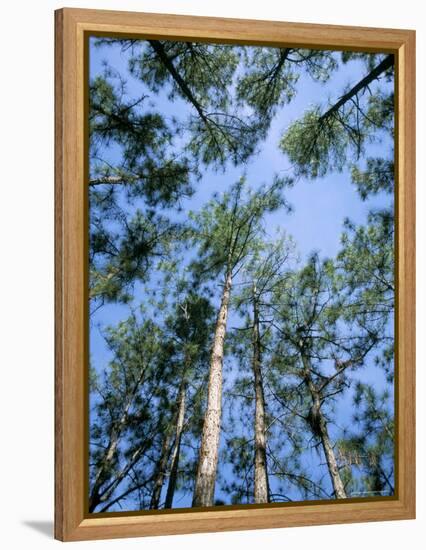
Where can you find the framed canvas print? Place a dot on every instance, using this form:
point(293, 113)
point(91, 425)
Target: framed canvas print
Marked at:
point(234, 274)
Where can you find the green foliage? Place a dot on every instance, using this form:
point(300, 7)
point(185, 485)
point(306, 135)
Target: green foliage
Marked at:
point(316, 347)
point(207, 68)
point(200, 74)
point(147, 165)
point(372, 452)
point(120, 257)
point(377, 177)
point(269, 81)
point(324, 140)
point(223, 137)
point(239, 453)
point(271, 76)
point(190, 323)
point(121, 410)
point(380, 112)
point(137, 394)
point(320, 322)
point(316, 145)
point(366, 262)
point(227, 228)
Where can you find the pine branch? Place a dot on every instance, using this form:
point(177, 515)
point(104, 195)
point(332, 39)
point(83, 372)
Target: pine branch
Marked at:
point(373, 75)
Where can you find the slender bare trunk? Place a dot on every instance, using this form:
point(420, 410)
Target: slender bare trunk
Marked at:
point(116, 432)
point(319, 428)
point(209, 451)
point(95, 497)
point(361, 85)
point(339, 489)
point(261, 488)
point(161, 472)
point(174, 462)
point(107, 491)
point(168, 454)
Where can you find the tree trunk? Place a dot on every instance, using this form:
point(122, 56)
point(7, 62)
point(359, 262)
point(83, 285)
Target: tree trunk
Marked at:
point(261, 488)
point(107, 491)
point(183, 86)
point(161, 472)
point(116, 431)
point(362, 84)
point(319, 429)
point(94, 498)
point(174, 464)
point(339, 489)
point(207, 463)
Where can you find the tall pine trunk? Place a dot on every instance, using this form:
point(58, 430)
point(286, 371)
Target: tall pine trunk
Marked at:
point(174, 461)
point(261, 487)
point(160, 473)
point(339, 488)
point(170, 451)
point(209, 451)
point(319, 428)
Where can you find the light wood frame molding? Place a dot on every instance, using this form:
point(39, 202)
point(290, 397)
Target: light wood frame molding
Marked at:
point(72, 27)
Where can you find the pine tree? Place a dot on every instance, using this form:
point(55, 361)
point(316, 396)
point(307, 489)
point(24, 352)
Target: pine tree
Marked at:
point(226, 231)
point(310, 320)
point(261, 274)
point(134, 377)
point(322, 140)
point(306, 333)
point(190, 329)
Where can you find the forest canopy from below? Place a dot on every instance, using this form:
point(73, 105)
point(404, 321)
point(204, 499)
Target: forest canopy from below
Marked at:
point(241, 275)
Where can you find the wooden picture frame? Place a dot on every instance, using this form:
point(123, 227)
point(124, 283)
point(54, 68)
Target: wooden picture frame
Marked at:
point(72, 522)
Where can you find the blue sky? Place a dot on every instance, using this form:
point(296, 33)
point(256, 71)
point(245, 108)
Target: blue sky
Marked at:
point(319, 207)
